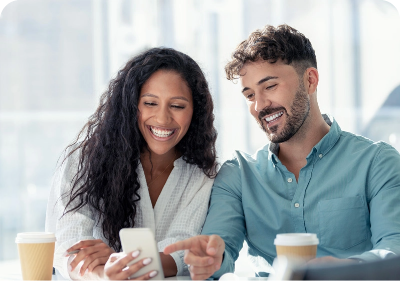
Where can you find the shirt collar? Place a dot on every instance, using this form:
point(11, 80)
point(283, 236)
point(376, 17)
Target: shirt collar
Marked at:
point(322, 147)
point(273, 152)
point(330, 139)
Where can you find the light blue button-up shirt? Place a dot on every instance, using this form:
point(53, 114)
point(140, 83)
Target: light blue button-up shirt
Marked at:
point(348, 193)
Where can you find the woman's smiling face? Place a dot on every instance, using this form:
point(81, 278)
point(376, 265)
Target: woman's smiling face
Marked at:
point(165, 110)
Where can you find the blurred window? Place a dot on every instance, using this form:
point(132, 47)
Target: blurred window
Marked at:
point(56, 58)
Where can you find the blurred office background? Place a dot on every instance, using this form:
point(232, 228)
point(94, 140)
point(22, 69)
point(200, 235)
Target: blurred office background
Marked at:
point(57, 56)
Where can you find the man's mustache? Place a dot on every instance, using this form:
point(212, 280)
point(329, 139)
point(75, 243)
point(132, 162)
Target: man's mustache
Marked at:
point(267, 111)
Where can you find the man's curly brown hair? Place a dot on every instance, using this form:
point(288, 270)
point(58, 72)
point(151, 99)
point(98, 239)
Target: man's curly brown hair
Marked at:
point(272, 44)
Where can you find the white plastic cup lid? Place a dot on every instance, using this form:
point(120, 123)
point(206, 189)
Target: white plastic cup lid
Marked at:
point(35, 237)
point(296, 239)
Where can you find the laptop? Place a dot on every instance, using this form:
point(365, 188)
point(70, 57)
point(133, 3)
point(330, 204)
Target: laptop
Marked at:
point(288, 269)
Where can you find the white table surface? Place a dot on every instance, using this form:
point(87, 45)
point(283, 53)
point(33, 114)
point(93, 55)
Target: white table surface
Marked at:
point(18, 277)
point(11, 270)
point(229, 277)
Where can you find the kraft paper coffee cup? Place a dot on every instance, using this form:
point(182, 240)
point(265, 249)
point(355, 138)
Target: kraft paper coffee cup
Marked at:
point(298, 245)
point(36, 251)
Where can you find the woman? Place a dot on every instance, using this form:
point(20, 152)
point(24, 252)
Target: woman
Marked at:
point(146, 158)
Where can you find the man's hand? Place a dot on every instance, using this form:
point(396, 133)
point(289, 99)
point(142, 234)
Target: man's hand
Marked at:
point(330, 259)
point(203, 254)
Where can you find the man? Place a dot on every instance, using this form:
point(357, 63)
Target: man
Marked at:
point(312, 177)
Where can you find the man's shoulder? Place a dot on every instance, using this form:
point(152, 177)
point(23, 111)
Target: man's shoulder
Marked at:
point(244, 162)
point(352, 137)
point(362, 142)
point(356, 145)
point(241, 158)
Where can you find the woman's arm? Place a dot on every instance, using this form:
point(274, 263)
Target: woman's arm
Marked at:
point(188, 221)
point(69, 228)
point(169, 265)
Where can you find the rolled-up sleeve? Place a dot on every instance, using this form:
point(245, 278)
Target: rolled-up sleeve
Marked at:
point(384, 188)
point(225, 215)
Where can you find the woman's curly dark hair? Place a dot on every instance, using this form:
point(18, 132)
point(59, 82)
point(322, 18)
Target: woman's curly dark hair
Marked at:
point(109, 153)
point(271, 44)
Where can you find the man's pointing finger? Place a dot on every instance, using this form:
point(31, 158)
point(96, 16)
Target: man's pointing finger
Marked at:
point(178, 246)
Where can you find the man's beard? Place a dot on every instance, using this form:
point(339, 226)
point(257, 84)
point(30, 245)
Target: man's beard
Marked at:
point(299, 109)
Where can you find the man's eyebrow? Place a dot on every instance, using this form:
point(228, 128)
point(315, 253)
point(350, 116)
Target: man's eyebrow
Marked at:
point(245, 89)
point(265, 79)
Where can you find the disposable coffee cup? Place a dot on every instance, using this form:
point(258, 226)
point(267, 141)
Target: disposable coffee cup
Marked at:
point(298, 245)
point(36, 251)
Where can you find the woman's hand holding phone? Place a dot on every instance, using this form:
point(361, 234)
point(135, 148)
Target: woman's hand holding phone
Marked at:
point(117, 267)
point(93, 252)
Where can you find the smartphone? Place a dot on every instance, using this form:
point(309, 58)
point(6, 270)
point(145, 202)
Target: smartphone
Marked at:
point(142, 239)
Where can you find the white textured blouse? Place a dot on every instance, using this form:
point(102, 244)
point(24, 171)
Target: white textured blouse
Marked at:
point(178, 214)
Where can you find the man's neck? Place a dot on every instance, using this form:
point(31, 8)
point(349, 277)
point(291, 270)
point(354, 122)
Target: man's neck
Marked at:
point(293, 153)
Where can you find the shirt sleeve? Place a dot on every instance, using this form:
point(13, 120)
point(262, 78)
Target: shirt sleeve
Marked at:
point(188, 221)
point(225, 215)
point(71, 227)
point(384, 189)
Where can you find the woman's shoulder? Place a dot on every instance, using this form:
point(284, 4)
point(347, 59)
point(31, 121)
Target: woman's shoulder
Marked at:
point(67, 165)
point(192, 172)
point(186, 167)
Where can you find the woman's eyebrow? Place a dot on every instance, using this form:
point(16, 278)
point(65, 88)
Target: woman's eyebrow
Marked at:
point(179, 98)
point(173, 98)
point(149, 95)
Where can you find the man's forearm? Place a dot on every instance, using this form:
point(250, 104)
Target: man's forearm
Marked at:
point(373, 255)
point(227, 265)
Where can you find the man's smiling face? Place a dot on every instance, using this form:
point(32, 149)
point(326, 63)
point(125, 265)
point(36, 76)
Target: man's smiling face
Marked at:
point(276, 97)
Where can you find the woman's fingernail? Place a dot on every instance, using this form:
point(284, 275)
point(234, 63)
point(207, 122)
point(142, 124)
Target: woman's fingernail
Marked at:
point(135, 254)
point(65, 254)
point(153, 273)
point(146, 261)
point(69, 268)
point(86, 271)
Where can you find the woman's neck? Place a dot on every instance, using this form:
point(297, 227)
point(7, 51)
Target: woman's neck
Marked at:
point(157, 169)
point(155, 162)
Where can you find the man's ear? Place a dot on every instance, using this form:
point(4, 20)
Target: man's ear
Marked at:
point(311, 77)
